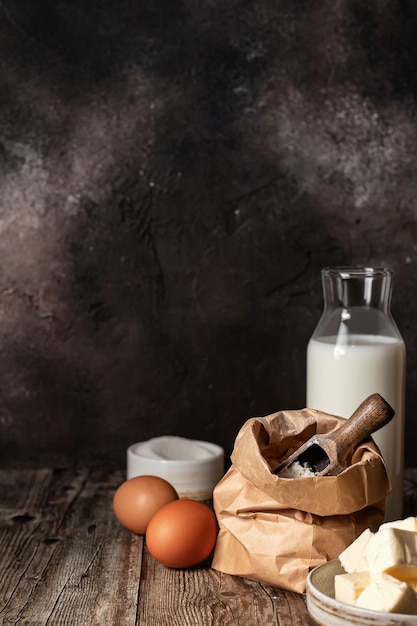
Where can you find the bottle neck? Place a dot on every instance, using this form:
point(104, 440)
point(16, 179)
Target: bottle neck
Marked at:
point(346, 288)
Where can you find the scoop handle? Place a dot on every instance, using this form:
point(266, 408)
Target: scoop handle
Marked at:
point(371, 415)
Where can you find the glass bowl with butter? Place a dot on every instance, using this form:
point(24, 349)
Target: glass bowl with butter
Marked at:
point(374, 581)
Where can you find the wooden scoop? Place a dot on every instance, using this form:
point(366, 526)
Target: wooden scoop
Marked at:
point(326, 454)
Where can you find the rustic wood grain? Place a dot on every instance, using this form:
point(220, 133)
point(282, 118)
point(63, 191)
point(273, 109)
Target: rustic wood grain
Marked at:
point(65, 560)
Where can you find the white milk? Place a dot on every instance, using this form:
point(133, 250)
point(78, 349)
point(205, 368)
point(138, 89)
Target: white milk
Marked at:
point(339, 378)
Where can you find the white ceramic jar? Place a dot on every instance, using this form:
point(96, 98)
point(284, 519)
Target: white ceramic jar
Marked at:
point(193, 467)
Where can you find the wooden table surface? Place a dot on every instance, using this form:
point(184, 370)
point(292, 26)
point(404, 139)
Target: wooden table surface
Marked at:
point(65, 560)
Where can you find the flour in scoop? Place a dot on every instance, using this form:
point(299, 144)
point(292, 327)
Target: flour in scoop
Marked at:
point(297, 470)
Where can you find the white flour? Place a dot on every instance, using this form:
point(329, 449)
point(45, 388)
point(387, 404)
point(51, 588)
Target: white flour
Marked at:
point(297, 470)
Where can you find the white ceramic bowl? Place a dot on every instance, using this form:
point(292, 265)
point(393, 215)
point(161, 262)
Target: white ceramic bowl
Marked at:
point(193, 467)
point(324, 610)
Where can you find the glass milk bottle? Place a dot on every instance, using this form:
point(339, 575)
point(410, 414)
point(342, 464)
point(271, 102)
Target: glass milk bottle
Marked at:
point(357, 350)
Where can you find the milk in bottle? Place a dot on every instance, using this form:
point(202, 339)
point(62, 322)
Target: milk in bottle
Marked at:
point(355, 351)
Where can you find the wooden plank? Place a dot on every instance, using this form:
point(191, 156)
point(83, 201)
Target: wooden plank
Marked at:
point(241, 602)
point(204, 597)
point(65, 559)
point(170, 597)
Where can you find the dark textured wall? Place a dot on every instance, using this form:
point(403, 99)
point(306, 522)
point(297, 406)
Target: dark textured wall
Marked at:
point(173, 176)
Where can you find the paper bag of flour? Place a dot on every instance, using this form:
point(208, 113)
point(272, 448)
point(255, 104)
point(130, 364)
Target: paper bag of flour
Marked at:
point(275, 530)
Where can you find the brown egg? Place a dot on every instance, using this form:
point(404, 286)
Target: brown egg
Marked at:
point(182, 533)
point(138, 499)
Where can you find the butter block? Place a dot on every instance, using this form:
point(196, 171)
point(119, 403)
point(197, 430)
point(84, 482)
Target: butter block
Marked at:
point(409, 523)
point(389, 547)
point(388, 594)
point(406, 573)
point(353, 558)
point(348, 587)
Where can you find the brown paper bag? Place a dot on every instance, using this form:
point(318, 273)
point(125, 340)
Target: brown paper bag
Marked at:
point(275, 530)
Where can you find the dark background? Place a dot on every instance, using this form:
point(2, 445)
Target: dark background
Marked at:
point(173, 176)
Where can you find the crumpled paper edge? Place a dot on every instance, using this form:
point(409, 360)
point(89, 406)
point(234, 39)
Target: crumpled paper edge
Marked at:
point(363, 483)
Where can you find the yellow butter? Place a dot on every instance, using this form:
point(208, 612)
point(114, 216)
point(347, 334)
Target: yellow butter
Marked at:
point(389, 547)
point(409, 523)
point(385, 593)
point(406, 573)
point(381, 569)
point(348, 587)
point(353, 558)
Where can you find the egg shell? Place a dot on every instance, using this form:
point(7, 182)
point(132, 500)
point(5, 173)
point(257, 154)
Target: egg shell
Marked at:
point(182, 533)
point(138, 499)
